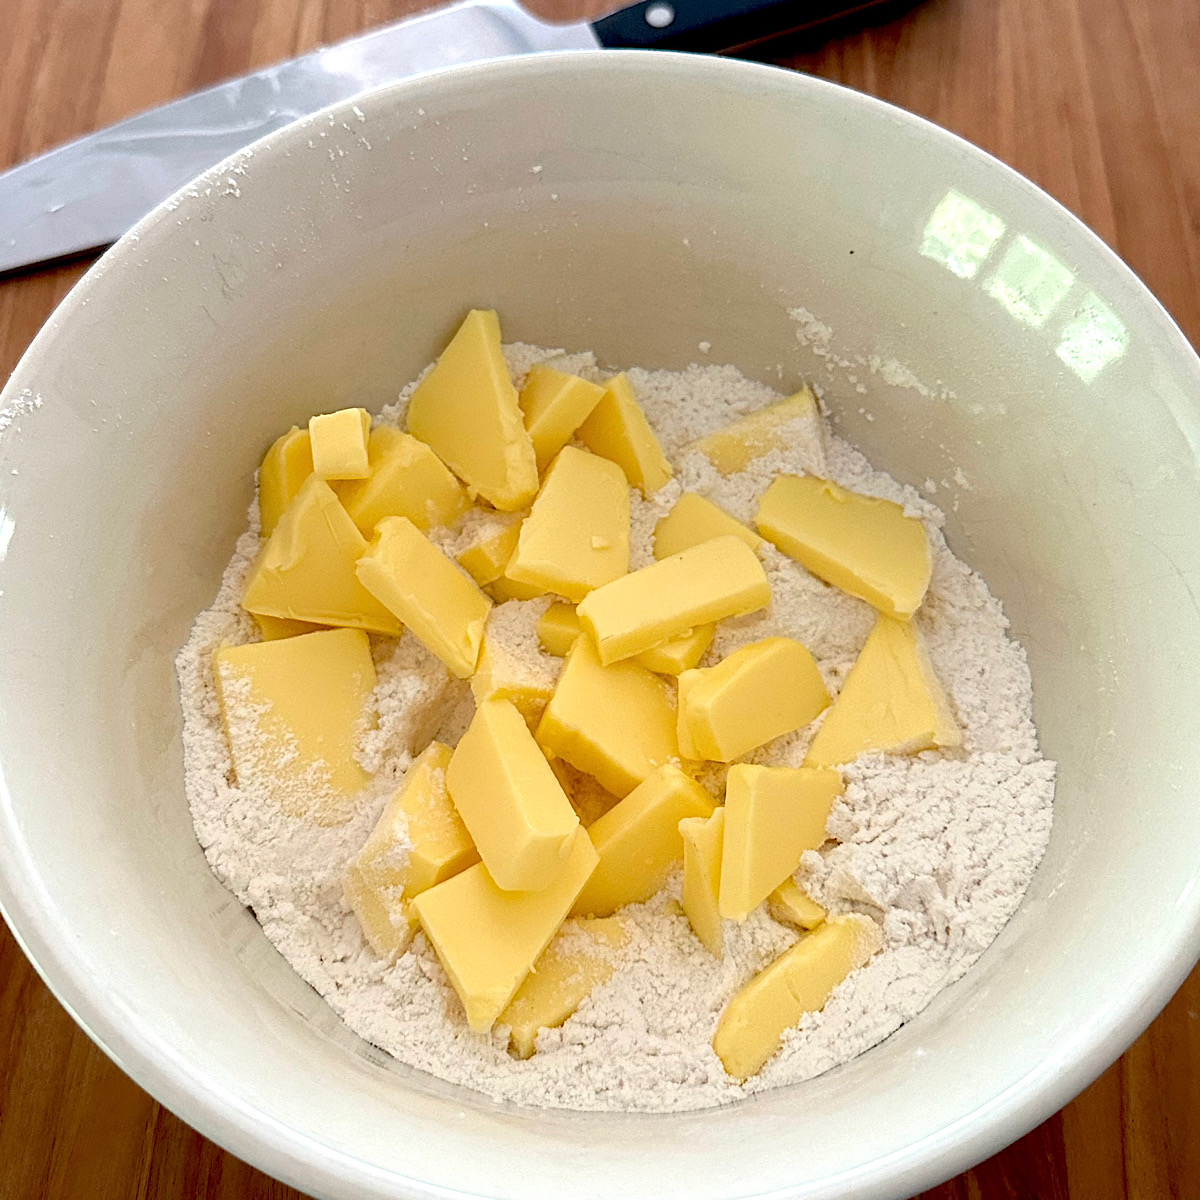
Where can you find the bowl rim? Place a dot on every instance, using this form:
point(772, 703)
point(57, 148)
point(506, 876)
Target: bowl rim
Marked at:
point(315, 1167)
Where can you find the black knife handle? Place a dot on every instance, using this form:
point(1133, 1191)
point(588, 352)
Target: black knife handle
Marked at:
point(708, 25)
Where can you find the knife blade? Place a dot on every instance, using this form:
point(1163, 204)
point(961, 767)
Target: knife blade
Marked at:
point(85, 194)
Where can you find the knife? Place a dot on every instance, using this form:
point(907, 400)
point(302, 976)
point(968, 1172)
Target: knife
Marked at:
point(84, 195)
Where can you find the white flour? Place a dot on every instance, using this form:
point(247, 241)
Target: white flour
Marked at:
point(939, 849)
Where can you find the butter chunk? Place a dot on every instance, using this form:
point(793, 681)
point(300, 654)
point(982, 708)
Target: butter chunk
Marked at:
point(800, 981)
point(772, 816)
point(485, 558)
point(426, 590)
point(639, 841)
point(307, 570)
point(558, 628)
point(488, 939)
point(577, 962)
point(576, 536)
point(555, 404)
point(702, 844)
point(861, 544)
point(891, 701)
point(694, 520)
point(679, 654)
point(418, 841)
point(792, 424)
point(273, 628)
point(589, 800)
point(501, 675)
point(293, 710)
point(506, 588)
point(789, 904)
point(284, 469)
point(617, 429)
point(339, 444)
point(757, 693)
point(404, 479)
point(615, 723)
point(466, 410)
point(512, 805)
point(701, 585)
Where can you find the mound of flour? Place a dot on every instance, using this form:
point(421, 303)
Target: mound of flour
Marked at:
point(938, 849)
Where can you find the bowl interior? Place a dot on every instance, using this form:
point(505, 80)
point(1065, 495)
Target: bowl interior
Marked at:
point(637, 205)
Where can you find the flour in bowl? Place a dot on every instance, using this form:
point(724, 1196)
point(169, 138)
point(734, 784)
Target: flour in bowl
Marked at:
point(937, 848)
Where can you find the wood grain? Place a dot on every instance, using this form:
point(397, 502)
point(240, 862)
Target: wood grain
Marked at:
point(1098, 101)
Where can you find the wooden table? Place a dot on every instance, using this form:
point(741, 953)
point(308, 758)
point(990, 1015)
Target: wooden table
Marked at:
point(1096, 100)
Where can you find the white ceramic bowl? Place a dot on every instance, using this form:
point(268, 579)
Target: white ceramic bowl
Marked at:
point(637, 204)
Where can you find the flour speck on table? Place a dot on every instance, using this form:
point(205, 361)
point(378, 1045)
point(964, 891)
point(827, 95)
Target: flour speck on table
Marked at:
point(935, 848)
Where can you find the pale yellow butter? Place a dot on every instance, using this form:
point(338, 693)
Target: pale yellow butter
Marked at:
point(616, 723)
point(789, 904)
point(293, 710)
point(706, 583)
point(488, 939)
point(639, 841)
point(555, 404)
point(307, 570)
point(588, 798)
point(501, 675)
point(801, 980)
point(485, 559)
point(861, 544)
point(576, 537)
point(418, 841)
point(466, 409)
point(273, 628)
point(891, 701)
point(617, 429)
point(512, 805)
point(694, 520)
point(339, 444)
point(772, 816)
point(428, 591)
point(757, 693)
point(404, 479)
point(284, 469)
point(781, 426)
point(702, 844)
point(557, 629)
point(577, 962)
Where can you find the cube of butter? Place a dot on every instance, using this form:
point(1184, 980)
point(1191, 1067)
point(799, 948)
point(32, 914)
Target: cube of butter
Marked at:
point(702, 843)
point(576, 536)
point(506, 588)
point(616, 723)
point(466, 409)
point(757, 693)
point(384, 914)
point(502, 675)
point(589, 800)
point(863, 545)
point(891, 701)
point(488, 939)
point(577, 962)
point(293, 710)
point(792, 424)
point(273, 628)
point(284, 469)
point(639, 841)
point(801, 980)
point(555, 404)
point(772, 816)
point(706, 583)
point(617, 429)
point(412, 578)
point(306, 571)
point(509, 799)
point(557, 629)
point(789, 904)
point(339, 444)
point(694, 520)
point(485, 558)
point(404, 479)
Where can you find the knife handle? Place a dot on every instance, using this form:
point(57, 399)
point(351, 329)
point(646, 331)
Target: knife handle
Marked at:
point(709, 25)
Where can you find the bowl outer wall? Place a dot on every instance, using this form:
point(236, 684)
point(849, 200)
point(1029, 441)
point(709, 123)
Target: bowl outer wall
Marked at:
point(186, 348)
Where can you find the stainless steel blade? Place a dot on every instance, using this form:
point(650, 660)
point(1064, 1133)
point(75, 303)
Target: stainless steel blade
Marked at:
point(87, 193)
